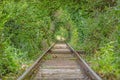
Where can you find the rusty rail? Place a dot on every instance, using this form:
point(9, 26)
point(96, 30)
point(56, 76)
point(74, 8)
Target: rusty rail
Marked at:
point(31, 70)
point(87, 70)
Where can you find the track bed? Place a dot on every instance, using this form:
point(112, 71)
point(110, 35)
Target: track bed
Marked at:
point(60, 64)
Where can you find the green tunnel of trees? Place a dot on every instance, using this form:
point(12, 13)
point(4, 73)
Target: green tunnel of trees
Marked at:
point(28, 27)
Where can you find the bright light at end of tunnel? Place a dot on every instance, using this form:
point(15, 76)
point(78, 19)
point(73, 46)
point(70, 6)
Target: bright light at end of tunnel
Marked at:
point(60, 38)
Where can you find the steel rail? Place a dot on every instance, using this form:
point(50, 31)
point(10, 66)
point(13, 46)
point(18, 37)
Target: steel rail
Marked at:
point(87, 70)
point(30, 70)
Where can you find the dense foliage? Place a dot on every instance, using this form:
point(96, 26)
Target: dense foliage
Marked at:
point(27, 27)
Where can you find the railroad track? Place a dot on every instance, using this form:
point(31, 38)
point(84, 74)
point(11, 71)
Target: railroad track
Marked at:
point(60, 62)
